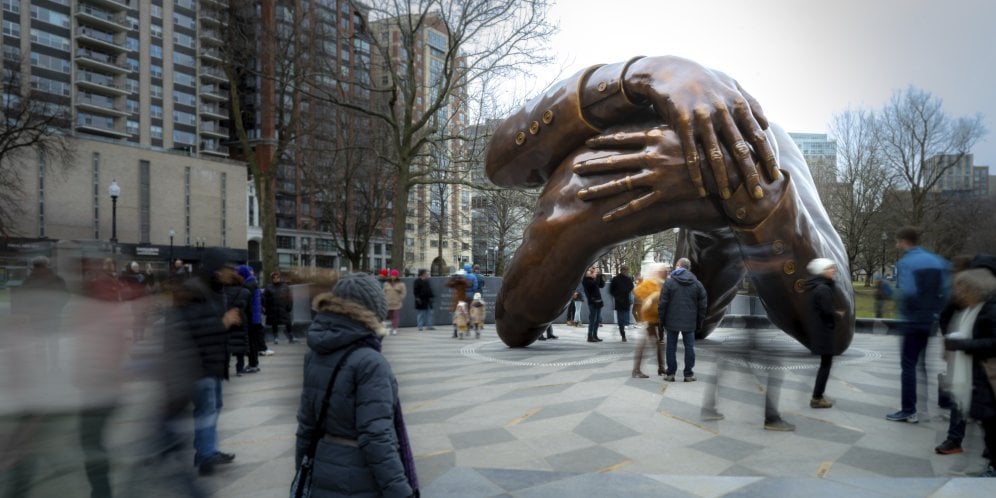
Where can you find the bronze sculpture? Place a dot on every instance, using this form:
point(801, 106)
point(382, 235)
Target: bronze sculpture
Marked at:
point(619, 151)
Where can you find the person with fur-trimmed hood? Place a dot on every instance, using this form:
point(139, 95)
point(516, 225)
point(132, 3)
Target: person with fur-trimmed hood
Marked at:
point(364, 449)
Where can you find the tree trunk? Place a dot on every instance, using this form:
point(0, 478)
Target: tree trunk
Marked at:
point(265, 183)
point(399, 218)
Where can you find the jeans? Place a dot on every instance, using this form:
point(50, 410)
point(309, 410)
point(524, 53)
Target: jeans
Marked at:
point(423, 318)
point(956, 426)
point(826, 361)
point(671, 349)
point(914, 343)
point(594, 318)
point(275, 327)
point(207, 407)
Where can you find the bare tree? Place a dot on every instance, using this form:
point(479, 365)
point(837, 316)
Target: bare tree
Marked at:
point(482, 39)
point(30, 128)
point(919, 143)
point(862, 182)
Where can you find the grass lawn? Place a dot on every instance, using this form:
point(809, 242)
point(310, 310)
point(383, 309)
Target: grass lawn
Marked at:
point(864, 302)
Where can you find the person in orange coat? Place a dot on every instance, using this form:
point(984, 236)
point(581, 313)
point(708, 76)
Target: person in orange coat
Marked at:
point(645, 309)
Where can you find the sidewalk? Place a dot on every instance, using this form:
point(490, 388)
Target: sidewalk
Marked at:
point(564, 418)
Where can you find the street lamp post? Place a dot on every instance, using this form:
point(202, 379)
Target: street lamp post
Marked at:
point(172, 233)
point(115, 191)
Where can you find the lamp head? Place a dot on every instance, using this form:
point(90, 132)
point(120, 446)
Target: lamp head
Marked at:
point(114, 189)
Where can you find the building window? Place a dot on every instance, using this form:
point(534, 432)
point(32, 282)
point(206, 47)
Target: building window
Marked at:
point(285, 242)
point(186, 202)
point(224, 209)
point(41, 195)
point(143, 202)
point(95, 179)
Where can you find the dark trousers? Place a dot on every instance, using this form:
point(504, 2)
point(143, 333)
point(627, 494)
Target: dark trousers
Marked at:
point(93, 422)
point(594, 318)
point(989, 430)
point(826, 361)
point(914, 343)
point(956, 426)
point(671, 351)
point(256, 343)
point(275, 328)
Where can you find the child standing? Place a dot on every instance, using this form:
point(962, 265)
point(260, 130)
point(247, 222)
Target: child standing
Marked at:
point(461, 319)
point(477, 314)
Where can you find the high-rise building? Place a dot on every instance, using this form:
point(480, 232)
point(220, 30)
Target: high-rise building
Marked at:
point(958, 175)
point(439, 228)
point(980, 180)
point(147, 104)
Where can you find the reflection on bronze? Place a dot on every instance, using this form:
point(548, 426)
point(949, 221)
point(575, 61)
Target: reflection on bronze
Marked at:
point(632, 179)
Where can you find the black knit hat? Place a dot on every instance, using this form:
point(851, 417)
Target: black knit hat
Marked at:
point(364, 290)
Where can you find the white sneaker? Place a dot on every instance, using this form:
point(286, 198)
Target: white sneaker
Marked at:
point(268, 352)
point(394, 332)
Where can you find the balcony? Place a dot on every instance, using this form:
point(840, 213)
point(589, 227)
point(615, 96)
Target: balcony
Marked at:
point(213, 73)
point(214, 129)
point(213, 111)
point(210, 147)
point(85, 124)
point(211, 35)
point(212, 54)
point(100, 61)
point(210, 17)
point(100, 104)
point(95, 37)
point(213, 92)
point(87, 14)
point(99, 83)
point(113, 5)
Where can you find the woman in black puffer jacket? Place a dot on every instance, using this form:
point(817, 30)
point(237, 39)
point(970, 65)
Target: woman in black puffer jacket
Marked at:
point(364, 448)
point(822, 323)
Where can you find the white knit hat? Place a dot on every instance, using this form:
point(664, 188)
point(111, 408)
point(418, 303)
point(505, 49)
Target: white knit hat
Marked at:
point(477, 296)
point(819, 265)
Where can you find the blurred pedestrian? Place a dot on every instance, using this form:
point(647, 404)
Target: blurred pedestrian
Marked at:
point(237, 298)
point(394, 292)
point(458, 289)
point(621, 290)
point(278, 305)
point(423, 300)
point(823, 319)
point(477, 312)
point(592, 282)
point(350, 425)
point(883, 293)
point(647, 295)
point(257, 342)
point(923, 283)
point(681, 310)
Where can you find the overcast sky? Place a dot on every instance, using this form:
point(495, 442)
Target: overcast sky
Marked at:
point(803, 60)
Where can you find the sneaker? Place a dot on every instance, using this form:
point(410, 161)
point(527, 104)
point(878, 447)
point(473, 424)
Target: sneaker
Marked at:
point(206, 467)
point(251, 370)
point(948, 447)
point(669, 378)
point(690, 378)
point(989, 472)
point(553, 337)
point(394, 331)
point(902, 416)
point(820, 403)
point(640, 375)
point(624, 339)
point(711, 414)
point(430, 328)
point(275, 341)
point(778, 425)
point(268, 352)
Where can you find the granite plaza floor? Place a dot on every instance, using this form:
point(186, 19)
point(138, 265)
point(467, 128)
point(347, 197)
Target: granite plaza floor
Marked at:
point(565, 418)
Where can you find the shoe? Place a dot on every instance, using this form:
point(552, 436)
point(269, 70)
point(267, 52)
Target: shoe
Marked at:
point(239, 373)
point(623, 339)
point(640, 375)
point(948, 447)
point(477, 336)
point(394, 331)
point(268, 352)
point(293, 341)
point(552, 337)
point(902, 416)
point(598, 340)
point(541, 338)
point(690, 378)
point(660, 372)
point(251, 370)
point(669, 378)
point(592, 340)
point(989, 472)
point(820, 403)
point(711, 414)
point(206, 467)
point(430, 328)
point(276, 342)
point(420, 329)
point(778, 425)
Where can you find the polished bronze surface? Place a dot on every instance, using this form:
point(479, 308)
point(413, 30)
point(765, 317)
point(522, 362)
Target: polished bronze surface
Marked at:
point(627, 159)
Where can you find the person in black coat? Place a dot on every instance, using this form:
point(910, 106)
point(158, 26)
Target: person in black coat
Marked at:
point(197, 344)
point(823, 320)
point(423, 300)
point(592, 282)
point(621, 289)
point(681, 309)
point(975, 290)
point(237, 298)
point(363, 447)
point(278, 304)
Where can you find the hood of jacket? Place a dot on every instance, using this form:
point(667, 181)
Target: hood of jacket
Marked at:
point(683, 276)
point(339, 323)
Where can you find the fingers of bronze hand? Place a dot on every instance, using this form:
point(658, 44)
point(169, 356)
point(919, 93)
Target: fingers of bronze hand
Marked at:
point(611, 164)
point(634, 206)
point(625, 184)
point(628, 139)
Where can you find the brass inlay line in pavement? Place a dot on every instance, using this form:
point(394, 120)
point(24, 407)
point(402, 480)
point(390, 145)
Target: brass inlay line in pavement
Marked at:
point(434, 453)
point(422, 405)
point(851, 386)
point(824, 469)
point(689, 422)
point(663, 388)
point(613, 468)
point(529, 413)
